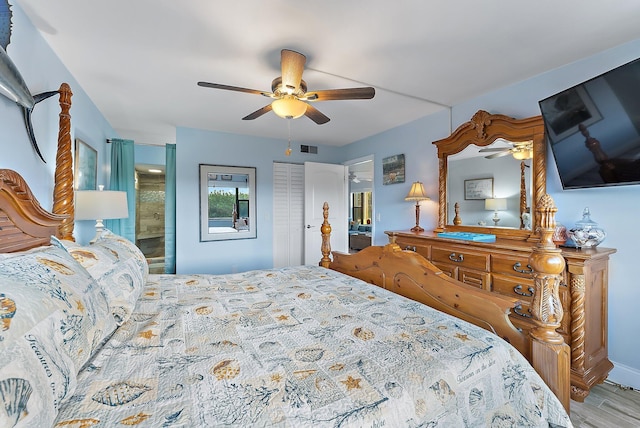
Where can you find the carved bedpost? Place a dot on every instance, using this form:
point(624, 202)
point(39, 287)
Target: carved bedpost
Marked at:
point(550, 356)
point(63, 188)
point(325, 229)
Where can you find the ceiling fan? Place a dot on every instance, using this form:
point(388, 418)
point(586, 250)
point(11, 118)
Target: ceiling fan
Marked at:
point(520, 150)
point(357, 178)
point(289, 92)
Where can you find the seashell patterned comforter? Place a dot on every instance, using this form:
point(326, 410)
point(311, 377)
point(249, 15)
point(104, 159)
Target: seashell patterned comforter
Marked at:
point(301, 347)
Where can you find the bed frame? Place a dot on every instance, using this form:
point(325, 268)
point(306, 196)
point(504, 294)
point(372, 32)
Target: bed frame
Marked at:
point(24, 224)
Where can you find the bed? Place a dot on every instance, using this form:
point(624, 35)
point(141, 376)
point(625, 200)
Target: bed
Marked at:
point(90, 338)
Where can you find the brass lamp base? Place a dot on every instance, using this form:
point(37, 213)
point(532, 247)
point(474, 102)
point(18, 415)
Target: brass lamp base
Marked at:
point(417, 227)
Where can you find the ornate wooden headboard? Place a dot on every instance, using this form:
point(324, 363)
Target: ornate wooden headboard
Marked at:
point(24, 223)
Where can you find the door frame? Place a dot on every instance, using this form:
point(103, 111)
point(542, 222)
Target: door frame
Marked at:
point(371, 158)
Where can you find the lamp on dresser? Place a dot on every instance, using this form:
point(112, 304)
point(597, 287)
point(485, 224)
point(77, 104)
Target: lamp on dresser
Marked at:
point(417, 194)
point(100, 205)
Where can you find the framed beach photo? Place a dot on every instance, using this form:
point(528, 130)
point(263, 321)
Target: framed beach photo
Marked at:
point(86, 166)
point(393, 169)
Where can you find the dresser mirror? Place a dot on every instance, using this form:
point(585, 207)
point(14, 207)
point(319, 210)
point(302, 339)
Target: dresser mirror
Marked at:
point(473, 193)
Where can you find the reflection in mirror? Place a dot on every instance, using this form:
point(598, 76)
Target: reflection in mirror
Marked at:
point(525, 141)
point(227, 202)
point(511, 180)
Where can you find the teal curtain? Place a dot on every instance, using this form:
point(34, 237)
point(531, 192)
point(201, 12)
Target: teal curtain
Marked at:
point(170, 210)
point(123, 178)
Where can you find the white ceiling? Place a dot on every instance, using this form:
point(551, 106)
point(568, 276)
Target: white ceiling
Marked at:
point(139, 60)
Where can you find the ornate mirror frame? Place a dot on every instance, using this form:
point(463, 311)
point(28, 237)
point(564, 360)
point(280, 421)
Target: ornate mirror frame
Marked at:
point(482, 130)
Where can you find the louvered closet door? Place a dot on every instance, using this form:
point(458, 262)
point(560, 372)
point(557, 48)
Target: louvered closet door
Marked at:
point(288, 214)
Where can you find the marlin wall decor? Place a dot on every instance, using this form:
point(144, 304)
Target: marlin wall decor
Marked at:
point(12, 84)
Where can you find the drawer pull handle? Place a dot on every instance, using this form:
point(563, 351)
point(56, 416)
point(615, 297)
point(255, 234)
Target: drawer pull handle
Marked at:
point(410, 248)
point(518, 310)
point(456, 258)
point(518, 291)
point(517, 266)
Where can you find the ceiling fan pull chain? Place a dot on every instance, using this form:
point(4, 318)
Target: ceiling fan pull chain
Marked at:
point(288, 151)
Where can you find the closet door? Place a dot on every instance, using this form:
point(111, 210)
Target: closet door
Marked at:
point(288, 214)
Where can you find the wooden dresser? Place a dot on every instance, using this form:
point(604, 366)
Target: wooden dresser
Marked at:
point(502, 267)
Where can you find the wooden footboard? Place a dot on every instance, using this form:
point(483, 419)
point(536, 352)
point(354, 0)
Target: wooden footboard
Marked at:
point(411, 275)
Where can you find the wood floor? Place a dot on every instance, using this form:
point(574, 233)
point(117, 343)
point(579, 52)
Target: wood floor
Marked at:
point(607, 406)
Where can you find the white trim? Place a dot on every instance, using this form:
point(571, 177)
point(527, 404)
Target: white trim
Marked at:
point(625, 375)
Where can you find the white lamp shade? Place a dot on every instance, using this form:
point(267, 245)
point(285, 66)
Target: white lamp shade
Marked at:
point(289, 107)
point(495, 204)
point(101, 205)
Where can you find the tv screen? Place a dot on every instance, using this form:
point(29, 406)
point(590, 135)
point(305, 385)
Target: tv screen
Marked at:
point(594, 129)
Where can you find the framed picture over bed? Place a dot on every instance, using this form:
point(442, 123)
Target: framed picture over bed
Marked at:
point(86, 166)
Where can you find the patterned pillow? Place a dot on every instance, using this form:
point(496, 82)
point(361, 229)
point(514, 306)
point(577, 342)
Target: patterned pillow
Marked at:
point(53, 317)
point(119, 267)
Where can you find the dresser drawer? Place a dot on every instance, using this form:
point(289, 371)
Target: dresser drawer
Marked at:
point(475, 278)
point(468, 276)
point(512, 265)
point(461, 257)
point(423, 250)
point(520, 288)
point(448, 269)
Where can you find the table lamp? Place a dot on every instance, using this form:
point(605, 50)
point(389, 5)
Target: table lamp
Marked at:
point(417, 194)
point(495, 205)
point(100, 205)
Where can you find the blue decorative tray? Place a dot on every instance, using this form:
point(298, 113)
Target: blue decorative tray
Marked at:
point(468, 236)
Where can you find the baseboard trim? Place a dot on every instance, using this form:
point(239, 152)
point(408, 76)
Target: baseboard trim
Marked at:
point(625, 375)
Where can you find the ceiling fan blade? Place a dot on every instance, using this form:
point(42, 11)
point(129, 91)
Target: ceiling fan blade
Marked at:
point(256, 114)
point(234, 88)
point(292, 64)
point(340, 94)
point(315, 115)
point(498, 155)
point(494, 149)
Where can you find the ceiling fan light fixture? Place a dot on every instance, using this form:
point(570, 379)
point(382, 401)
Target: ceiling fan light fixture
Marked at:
point(523, 154)
point(289, 107)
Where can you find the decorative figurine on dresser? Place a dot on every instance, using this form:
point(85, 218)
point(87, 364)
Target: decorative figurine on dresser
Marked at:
point(503, 266)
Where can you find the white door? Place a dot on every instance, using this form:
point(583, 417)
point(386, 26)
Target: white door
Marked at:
point(288, 214)
point(324, 183)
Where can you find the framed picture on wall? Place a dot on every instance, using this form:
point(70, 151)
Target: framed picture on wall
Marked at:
point(478, 188)
point(393, 169)
point(86, 166)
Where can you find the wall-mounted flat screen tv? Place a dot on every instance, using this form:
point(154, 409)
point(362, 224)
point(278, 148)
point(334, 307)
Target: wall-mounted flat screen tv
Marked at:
point(594, 129)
